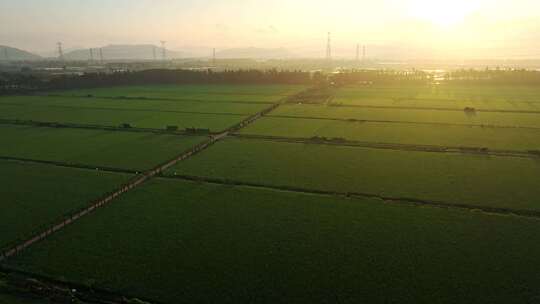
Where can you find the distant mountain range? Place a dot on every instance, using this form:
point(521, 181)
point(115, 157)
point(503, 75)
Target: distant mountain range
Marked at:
point(146, 52)
point(12, 54)
point(123, 52)
point(254, 53)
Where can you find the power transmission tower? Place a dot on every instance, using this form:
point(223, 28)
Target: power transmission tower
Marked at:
point(329, 47)
point(357, 52)
point(163, 50)
point(214, 58)
point(6, 56)
point(60, 51)
point(101, 55)
point(91, 54)
point(364, 53)
point(154, 52)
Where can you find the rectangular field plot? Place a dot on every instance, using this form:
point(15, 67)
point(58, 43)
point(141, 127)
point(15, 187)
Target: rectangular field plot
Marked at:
point(122, 150)
point(216, 93)
point(441, 104)
point(34, 195)
point(114, 118)
point(48, 103)
point(520, 98)
point(527, 120)
point(173, 241)
point(411, 134)
point(475, 180)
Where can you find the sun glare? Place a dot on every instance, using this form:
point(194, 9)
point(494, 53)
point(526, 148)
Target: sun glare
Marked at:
point(443, 13)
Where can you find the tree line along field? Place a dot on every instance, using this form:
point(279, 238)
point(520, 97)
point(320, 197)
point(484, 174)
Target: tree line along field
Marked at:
point(172, 241)
point(34, 195)
point(136, 151)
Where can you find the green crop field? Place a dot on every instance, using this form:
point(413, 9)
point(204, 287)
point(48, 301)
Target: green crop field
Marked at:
point(122, 150)
point(41, 103)
point(521, 98)
point(440, 104)
point(216, 93)
point(214, 107)
point(447, 177)
point(34, 195)
point(114, 118)
point(294, 218)
point(412, 134)
point(528, 120)
point(174, 241)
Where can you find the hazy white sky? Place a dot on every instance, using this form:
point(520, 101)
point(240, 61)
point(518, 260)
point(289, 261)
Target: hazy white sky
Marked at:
point(456, 28)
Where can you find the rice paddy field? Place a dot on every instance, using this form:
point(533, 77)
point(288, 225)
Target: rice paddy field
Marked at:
point(212, 93)
point(484, 97)
point(98, 148)
point(412, 134)
point(380, 194)
point(211, 107)
point(34, 195)
point(115, 118)
point(215, 243)
point(444, 177)
point(413, 116)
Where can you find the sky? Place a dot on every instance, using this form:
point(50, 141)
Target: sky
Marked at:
point(413, 29)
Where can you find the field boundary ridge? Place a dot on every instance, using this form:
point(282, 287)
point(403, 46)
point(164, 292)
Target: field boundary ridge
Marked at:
point(392, 146)
point(388, 199)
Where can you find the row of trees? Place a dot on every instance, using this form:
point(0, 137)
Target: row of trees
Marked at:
point(21, 82)
point(14, 82)
point(381, 77)
point(181, 77)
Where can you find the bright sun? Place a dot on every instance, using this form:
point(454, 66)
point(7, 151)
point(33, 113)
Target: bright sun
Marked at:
point(444, 13)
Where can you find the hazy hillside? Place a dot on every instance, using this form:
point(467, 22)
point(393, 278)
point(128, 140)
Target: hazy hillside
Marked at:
point(123, 52)
point(254, 53)
point(12, 54)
